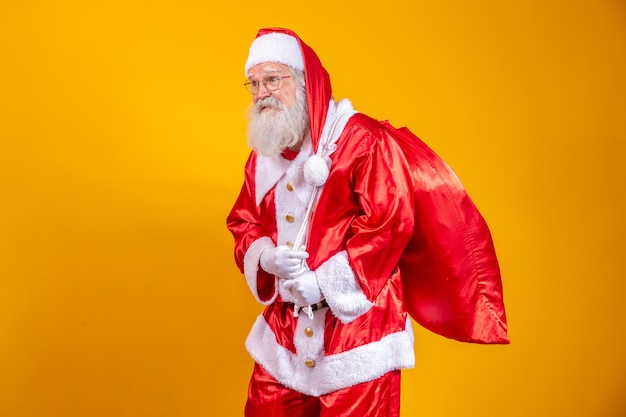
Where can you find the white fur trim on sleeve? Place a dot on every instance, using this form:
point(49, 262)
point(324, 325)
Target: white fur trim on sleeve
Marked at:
point(341, 289)
point(251, 267)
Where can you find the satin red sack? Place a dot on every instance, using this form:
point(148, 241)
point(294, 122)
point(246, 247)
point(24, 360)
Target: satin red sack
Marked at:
point(450, 274)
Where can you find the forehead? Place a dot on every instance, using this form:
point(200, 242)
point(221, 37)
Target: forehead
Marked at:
point(267, 68)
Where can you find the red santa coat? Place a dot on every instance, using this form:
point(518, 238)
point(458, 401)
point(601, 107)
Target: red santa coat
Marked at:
point(361, 224)
point(389, 202)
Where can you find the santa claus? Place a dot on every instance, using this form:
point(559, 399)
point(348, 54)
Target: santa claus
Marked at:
point(323, 226)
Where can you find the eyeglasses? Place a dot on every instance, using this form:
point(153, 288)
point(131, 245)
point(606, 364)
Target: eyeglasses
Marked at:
point(270, 83)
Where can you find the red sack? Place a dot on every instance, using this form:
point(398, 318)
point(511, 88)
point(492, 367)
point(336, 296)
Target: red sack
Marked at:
point(450, 274)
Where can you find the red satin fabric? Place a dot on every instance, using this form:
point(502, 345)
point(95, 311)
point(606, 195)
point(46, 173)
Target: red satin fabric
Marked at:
point(366, 209)
point(365, 206)
point(385, 214)
point(450, 272)
point(377, 398)
point(385, 317)
point(246, 221)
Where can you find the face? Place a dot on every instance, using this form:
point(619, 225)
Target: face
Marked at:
point(286, 93)
point(279, 119)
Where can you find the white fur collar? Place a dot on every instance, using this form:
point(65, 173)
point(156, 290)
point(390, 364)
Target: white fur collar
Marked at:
point(270, 169)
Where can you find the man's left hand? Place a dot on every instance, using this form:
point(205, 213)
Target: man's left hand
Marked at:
point(304, 288)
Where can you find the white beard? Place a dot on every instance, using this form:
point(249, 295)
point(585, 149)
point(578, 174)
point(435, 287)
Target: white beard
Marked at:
point(281, 127)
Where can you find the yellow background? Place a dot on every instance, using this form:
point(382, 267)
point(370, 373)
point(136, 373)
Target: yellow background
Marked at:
point(122, 129)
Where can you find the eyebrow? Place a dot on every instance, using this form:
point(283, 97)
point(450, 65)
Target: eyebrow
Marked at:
point(268, 71)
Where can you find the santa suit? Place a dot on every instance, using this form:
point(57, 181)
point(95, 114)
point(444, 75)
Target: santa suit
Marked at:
point(362, 221)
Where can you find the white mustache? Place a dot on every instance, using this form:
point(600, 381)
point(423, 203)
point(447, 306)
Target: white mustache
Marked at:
point(267, 102)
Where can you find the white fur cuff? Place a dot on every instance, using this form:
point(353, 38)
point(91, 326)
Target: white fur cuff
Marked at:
point(251, 267)
point(341, 289)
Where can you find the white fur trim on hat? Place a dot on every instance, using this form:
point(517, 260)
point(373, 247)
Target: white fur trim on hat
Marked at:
point(275, 47)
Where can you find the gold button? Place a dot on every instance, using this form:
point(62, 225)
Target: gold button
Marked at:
point(289, 186)
point(289, 244)
point(310, 363)
point(308, 331)
point(290, 218)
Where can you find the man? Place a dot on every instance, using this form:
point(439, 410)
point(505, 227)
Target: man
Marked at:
point(321, 226)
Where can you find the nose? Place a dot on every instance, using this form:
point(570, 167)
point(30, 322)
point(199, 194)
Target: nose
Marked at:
point(263, 91)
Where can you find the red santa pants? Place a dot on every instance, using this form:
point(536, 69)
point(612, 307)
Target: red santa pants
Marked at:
point(269, 398)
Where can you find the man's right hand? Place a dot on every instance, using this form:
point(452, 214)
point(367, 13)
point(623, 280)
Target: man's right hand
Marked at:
point(283, 261)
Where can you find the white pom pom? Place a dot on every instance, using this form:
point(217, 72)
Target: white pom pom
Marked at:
point(316, 171)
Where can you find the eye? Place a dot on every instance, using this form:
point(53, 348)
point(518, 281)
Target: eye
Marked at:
point(254, 83)
point(273, 81)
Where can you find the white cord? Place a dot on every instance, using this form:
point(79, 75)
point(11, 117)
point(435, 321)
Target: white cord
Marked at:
point(305, 223)
point(304, 226)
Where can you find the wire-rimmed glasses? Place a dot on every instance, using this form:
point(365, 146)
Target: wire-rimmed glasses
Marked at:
point(271, 83)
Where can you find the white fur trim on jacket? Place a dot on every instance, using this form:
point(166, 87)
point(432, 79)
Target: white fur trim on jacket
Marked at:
point(332, 372)
point(341, 289)
point(251, 267)
point(267, 172)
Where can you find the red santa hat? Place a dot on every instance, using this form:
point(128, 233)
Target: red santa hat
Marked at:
point(285, 47)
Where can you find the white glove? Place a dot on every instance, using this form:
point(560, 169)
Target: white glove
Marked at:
point(283, 261)
point(304, 288)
